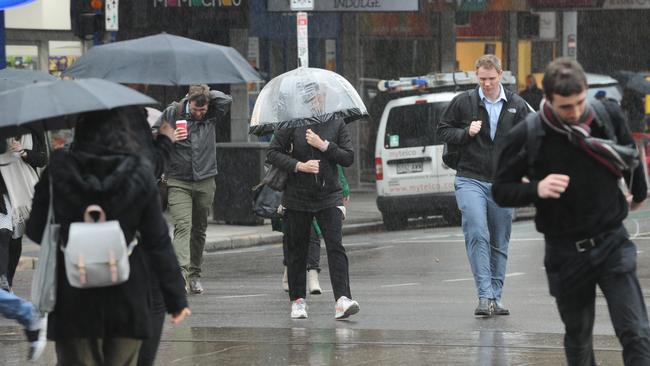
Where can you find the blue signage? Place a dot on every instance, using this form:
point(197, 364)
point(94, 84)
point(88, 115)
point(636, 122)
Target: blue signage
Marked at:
point(4, 4)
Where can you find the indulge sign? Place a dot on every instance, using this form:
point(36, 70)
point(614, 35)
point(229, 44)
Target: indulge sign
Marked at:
point(350, 5)
point(196, 3)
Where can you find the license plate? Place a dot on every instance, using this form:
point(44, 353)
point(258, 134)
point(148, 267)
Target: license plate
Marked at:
point(409, 168)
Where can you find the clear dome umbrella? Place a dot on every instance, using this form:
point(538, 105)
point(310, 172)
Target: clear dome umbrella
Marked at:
point(302, 97)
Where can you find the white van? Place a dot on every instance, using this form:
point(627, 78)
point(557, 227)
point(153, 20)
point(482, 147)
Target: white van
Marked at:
point(411, 179)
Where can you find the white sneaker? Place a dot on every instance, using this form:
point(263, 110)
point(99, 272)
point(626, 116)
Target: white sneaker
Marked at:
point(37, 337)
point(299, 309)
point(313, 286)
point(345, 307)
point(285, 280)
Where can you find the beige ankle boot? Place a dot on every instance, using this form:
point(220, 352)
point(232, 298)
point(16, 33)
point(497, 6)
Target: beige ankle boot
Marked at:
point(285, 280)
point(313, 286)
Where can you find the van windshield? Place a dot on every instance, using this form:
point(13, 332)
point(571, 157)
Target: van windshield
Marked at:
point(413, 125)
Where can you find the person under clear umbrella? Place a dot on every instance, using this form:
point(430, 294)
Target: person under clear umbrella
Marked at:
point(310, 155)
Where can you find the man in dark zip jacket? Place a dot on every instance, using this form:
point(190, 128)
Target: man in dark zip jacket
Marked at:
point(191, 174)
point(476, 122)
point(574, 185)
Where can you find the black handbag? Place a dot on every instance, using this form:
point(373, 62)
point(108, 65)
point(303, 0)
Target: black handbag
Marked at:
point(266, 202)
point(275, 178)
point(164, 192)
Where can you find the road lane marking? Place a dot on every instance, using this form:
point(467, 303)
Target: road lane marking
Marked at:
point(514, 274)
point(239, 296)
point(401, 284)
point(459, 280)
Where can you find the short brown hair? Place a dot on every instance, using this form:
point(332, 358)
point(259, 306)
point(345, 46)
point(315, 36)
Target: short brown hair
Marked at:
point(488, 61)
point(565, 77)
point(199, 94)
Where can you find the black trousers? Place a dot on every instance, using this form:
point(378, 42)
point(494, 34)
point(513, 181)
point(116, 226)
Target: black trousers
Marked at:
point(15, 250)
point(5, 243)
point(149, 347)
point(313, 250)
point(10, 251)
point(298, 228)
point(573, 277)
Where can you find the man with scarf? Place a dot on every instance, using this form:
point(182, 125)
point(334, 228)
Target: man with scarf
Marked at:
point(573, 181)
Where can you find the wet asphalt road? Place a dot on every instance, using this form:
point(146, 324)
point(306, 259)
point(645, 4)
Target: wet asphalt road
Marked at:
point(417, 299)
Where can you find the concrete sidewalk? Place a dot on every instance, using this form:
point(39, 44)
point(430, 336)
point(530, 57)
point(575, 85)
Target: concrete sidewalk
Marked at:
point(362, 216)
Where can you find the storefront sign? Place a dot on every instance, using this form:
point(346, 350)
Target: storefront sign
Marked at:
point(197, 3)
point(626, 4)
point(303, 40)
point(111, 12)
point(302, 5)
point(350, 5)
point(562, 4)
point(547, 25)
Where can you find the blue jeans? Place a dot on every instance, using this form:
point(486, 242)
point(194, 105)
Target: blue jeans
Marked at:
point(486, 227)
point(13, 307)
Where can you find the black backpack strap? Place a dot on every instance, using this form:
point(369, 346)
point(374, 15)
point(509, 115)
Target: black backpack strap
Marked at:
point(534, 135)
point(473, 97)
point(603, 119)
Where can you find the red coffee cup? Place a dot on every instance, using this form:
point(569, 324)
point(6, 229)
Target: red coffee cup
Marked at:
point(182, 124)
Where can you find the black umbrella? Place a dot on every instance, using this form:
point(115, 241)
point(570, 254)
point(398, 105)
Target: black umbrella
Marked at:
point(35, 107)
point(14, 78)
point(164, 59)
point(639, 84)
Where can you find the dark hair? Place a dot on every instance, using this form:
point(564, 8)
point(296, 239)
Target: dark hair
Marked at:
point(111, 130)
point(199, 94)
point(565, 77)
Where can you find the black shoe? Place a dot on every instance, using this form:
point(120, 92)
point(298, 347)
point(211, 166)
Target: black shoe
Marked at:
point(499, 309)
point(195, 286)
point(484, 308)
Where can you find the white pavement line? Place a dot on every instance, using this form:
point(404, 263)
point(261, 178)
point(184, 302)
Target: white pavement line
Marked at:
point(401, 284)
point(459, 280)
point(239, 296)
point(369, 249)
point(514, 274)
point(243, 250)
point(453, 240)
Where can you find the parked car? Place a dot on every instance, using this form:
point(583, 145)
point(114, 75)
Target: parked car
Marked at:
point(609, 85)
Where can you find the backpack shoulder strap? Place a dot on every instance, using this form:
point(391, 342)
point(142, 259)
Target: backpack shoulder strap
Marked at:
point(603, 119)
point(473, 97)
point(534, 135)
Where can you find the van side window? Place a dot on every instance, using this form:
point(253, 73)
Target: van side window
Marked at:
point(413, 125)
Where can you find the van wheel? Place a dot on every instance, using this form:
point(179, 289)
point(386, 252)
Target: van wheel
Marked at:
point(453, 217)
point(394, 222)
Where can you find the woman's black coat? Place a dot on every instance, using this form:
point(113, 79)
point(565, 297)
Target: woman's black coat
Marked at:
point(306, 191)
point(124, 186)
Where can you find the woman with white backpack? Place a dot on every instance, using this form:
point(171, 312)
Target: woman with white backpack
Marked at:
point(98, 323)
